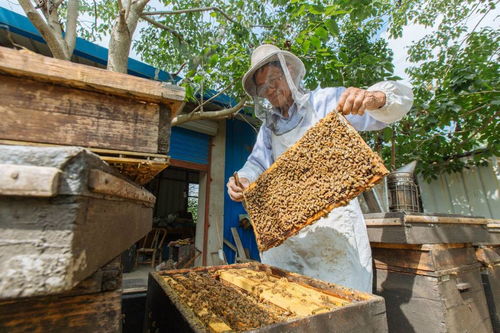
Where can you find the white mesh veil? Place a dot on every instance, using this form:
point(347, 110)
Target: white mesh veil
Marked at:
point(277, 89)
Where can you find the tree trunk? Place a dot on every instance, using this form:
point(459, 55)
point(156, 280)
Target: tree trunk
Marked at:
point(50, 29)
point(121, 35)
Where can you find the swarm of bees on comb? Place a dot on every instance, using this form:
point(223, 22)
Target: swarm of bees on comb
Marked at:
point(328, 167)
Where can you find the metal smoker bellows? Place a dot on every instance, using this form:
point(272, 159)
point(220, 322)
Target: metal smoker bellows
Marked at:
point(402, 190)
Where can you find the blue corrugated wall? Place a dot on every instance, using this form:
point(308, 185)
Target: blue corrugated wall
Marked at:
point(240, 138)
point(189, 146)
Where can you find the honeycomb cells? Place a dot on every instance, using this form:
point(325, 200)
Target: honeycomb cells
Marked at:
point(329, 166)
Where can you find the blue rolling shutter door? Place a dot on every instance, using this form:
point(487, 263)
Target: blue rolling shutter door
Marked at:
point(189, 146)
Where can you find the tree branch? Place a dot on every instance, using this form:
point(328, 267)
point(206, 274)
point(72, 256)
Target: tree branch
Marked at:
point(192, 10)
point(127, 11)
point(183, 118)
point(475, 110)
point(162, 26)
point(71, 21)
point(212, 98)
point(463, 41)
point(54, 41)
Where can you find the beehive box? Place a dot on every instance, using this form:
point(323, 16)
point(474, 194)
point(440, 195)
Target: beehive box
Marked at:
point(63, 214)
point(431, 288)
point(489, 257)
point(415, 228)
point(329, 166)
point(258, 298)
point(94, 305)
point(55, 101)
point(123, 118)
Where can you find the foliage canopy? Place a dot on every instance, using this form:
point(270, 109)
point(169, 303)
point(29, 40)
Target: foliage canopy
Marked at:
point(455, 79)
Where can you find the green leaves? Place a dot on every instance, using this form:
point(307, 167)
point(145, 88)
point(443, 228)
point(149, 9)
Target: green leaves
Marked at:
point(331, 25)
point(456, 81)
point(455, 84)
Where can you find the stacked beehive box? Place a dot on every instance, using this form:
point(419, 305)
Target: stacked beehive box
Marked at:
point(427, 271)
point(64, 212)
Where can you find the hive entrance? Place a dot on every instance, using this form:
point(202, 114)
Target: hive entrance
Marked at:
point(329, 166)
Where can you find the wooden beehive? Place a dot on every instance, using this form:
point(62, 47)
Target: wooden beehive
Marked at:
point(417, 228)
point(258, 298)
point(63, 214)
point(51, 101)
point(94, 305)
point(431, 287)
point(329, 166)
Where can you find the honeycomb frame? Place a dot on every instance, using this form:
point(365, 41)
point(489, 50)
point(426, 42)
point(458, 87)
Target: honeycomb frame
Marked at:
point(328, 167)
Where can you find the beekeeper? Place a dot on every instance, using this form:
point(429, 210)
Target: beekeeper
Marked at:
point(335, 248)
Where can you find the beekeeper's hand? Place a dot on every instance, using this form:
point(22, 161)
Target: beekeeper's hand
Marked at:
point(236, 192)
point(356, 101)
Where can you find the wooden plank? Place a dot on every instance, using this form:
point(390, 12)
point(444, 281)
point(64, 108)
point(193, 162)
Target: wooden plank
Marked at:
point(230, 245)
point(425, 219)
point(444, 219)
point(428, 233)
point(103, 153)
point(426, 259)
point(188, 165)
point(219, 326)
point(102, 182)
point(139, 171)
point(488, 256)
point(27, 180)
point(239, 245)
point(86, 77)
point(291, 296)
point(99, 312)
point(418, 247)
point(33, 111)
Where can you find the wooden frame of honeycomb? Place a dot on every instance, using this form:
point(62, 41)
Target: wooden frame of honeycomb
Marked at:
point(329, 166)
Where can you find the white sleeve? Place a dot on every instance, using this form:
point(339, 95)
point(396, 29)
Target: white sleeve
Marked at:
point(260, 158)
point(398, 101)
point(326, 100)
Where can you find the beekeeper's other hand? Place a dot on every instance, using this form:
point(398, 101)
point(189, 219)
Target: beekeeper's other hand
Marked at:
point(356, 101)
point(236, 192)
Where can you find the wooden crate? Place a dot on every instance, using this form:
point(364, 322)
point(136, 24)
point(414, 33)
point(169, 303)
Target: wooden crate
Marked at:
point(47, 100)
point(94, 305)
point(402, 228)
point(431, 287)
point(168, 310)
point(63, 214)
point(489, 257)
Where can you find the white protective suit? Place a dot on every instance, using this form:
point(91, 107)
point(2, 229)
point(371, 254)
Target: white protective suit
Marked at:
point(336, 247)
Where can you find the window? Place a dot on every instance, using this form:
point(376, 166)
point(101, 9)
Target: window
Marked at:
point(192, 200)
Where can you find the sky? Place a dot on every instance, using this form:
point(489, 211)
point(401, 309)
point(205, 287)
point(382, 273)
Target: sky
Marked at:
point(411, 33)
